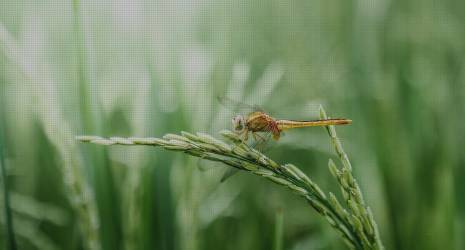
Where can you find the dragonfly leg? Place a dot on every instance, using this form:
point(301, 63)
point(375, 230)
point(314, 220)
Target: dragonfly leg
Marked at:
point(255, 136)
point(246, 135)
point(260, 141)
point(258, 137)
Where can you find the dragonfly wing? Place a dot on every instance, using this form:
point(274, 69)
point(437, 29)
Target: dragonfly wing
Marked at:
point(230, 171)
point(203, 165)
point(261, 141)
point(237, 106)
point(258, 108)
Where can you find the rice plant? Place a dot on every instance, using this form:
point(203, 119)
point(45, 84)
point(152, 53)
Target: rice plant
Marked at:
point(145, 68)
point(355, 224)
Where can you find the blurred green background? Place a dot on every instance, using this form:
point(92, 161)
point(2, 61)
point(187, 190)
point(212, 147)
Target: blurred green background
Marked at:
point(146, 68)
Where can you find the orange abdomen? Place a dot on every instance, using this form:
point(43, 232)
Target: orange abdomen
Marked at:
point(288, 124)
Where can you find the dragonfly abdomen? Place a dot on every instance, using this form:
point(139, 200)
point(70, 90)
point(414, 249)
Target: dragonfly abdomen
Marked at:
point(288, 124)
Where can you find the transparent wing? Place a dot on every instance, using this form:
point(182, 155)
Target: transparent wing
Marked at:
point(230, 171)
point(261, 141)
point(237, 106)
point(204, 165)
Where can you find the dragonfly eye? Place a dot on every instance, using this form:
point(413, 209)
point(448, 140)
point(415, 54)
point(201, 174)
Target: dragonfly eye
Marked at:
point(238, 123)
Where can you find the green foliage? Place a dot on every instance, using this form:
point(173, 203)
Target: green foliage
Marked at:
point(356, 226)
point(147, 68)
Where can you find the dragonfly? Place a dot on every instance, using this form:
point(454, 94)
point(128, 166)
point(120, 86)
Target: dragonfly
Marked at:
point(259, 121)
point(262, 125)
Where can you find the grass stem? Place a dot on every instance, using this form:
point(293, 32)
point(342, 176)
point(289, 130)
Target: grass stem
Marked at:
point(278, 230)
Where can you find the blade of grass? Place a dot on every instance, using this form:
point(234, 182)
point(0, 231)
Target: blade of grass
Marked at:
point(80, 194)
point(278, 230)
point(11, 242)
point(89, 109)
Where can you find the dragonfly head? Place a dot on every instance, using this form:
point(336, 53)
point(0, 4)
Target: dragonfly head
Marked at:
point(238, 122)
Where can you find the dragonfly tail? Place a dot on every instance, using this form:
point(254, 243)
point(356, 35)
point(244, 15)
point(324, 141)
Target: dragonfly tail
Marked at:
point(288, 124)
